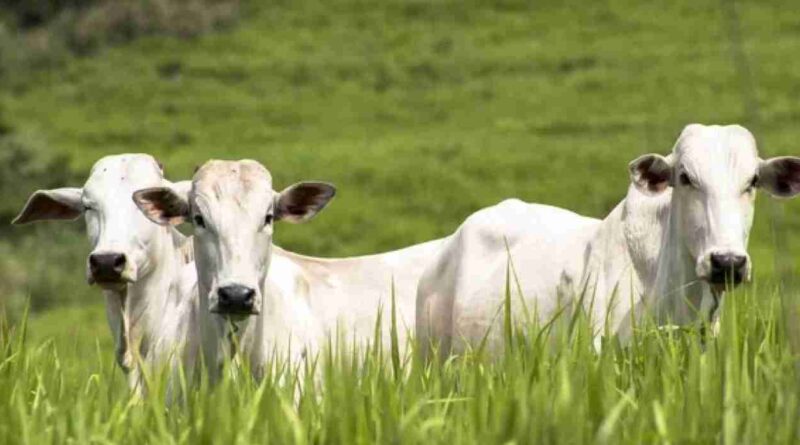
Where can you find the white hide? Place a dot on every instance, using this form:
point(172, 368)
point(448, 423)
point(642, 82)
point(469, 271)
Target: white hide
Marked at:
point(461, 293)
point(300, 300)
point(310, 300)
point(651, 255)
point(152, 310)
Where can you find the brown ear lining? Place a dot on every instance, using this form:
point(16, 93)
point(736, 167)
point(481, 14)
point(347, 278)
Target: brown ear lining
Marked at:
point(648, 172)
point(42, 207)
point(161, 205)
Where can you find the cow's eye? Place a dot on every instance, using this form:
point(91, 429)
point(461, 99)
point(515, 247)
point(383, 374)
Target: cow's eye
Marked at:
point(199, 221)
point(268, 219)
point(685, 180)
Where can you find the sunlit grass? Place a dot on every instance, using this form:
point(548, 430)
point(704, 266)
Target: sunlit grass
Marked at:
point(670, 386)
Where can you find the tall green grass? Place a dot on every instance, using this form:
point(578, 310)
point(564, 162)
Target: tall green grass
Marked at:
point(421, 113)
point(666, 386)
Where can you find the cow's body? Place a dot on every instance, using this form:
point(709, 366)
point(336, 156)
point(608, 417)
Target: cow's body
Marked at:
point(665, 250)
point(151, 297)
point(348, 292)
point(277, 302)
point(462, 293)
point(158, 330)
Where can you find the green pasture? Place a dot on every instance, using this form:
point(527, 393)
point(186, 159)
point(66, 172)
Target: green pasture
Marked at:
point(421, 112)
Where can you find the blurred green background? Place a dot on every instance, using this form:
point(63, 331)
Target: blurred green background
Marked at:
point(421, 112)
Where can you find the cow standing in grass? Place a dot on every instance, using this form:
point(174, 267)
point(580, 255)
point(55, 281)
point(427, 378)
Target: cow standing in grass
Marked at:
point(668, 250)
point(278, 303)
point(145, 270)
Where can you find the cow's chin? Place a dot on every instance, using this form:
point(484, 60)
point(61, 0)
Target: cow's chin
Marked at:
point(233, 315)
point(719, 286)
point(718, 289)
point(112, 282)
point(236, 317)
point(718, 283)
point(115, 285)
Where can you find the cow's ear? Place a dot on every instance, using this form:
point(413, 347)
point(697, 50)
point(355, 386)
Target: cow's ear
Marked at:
point(56, 204)
point(300, 202)
point(780, 177)
point(651, 174)
point(162, 205)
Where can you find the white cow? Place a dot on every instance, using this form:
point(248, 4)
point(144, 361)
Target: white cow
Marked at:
point(145, 270)
point(667, 250)
point(275, 298)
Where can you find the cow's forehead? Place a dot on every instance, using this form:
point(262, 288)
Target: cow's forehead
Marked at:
point(135, 170)
point(710, 146)
point(240, 180)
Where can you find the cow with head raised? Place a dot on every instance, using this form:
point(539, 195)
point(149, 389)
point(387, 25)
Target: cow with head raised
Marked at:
point(276, 301)
point(145, 270)
point(232, 207)
point(670, 249)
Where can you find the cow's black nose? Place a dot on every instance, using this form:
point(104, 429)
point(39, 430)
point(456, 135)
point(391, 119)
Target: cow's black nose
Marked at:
point(107, 267)
point(236, 299)
point(728, 268)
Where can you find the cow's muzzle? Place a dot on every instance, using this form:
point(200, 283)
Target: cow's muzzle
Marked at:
point(728, 269)
point(108, 269)
point(235, 300)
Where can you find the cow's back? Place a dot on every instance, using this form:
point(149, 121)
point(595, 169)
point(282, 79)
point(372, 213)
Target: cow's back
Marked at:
point(345, 294)
point(537, 249)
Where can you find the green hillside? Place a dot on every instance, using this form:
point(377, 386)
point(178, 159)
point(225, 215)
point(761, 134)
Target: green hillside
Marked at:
point(423, 112)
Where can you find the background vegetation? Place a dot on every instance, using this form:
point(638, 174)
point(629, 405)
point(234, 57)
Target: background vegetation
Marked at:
point(420, 111)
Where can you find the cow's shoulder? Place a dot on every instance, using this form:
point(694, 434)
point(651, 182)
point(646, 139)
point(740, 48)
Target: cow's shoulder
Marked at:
point(513, 218)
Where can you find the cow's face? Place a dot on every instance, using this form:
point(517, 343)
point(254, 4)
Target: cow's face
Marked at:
point(232, 207)
point(714, 172)
point(121, 238)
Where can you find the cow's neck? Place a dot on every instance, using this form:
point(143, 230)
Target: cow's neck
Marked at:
point(211, 328)
point(148, 300)
point(286, 323)
point(677, 293)
point(254, 338)
point(115, 301)
point(670, 288)
point(287, 311)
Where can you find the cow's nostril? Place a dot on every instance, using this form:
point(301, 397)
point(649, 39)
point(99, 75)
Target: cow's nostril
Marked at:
point(717, 261)
point(247, 294)
point(727, 261)
point(223, 295)
point(119, 262)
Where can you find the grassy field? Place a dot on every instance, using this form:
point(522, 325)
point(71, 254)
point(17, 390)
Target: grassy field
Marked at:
point(421, 113)
point(666, 387)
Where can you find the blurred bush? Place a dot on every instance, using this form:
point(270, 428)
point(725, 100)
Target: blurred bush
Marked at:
point(33, 13)
point(37, 33)
point(26, 164)
point(42, 34)
point(122, 20)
